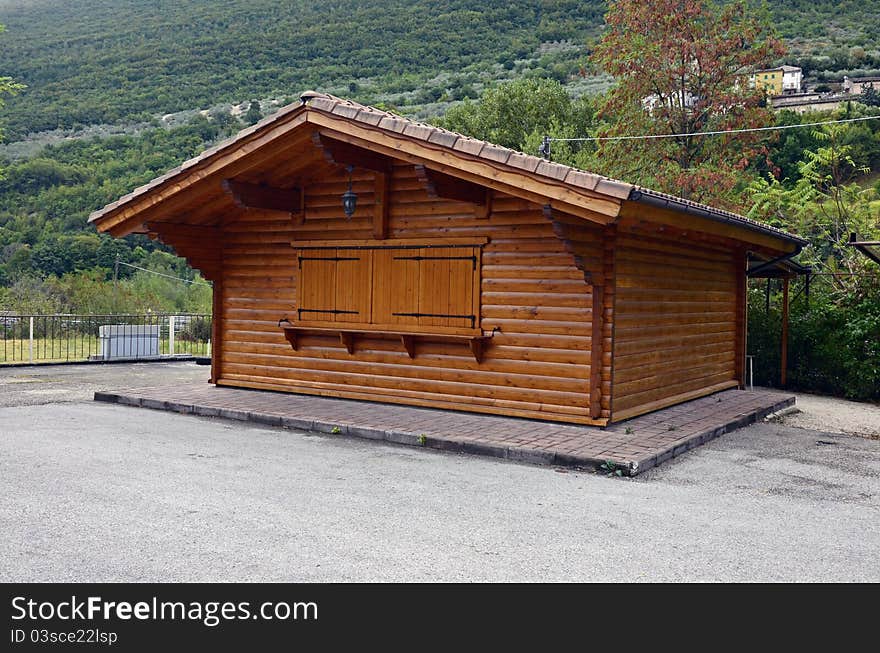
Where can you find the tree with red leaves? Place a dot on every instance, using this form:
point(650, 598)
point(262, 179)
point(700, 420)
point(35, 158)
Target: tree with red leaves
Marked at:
point(682, 67)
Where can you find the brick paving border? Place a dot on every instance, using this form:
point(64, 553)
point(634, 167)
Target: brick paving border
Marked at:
point(632, 446)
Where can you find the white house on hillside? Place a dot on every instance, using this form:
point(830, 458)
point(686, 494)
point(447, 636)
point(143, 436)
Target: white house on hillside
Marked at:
point(674, 100)
point(792, 76)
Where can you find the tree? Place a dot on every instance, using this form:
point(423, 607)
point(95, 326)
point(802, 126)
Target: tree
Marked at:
point(519, 114)
point(226, 123)
point(507, 114)
point(254, 114)
point(870, 96)
point(682, 68)
point(7, 87)
point(835, 337)
point(825, 205)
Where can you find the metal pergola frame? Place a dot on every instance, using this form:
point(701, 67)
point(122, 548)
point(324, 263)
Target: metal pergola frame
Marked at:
point(870, 248)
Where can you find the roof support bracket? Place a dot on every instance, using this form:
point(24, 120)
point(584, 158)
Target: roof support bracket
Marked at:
point(439, 184)
point(261, 196)
point(346, 154)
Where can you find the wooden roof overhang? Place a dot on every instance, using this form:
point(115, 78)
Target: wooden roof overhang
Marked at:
point(265, 166)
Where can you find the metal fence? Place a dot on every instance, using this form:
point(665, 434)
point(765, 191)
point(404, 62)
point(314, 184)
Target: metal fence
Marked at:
point(56, 338)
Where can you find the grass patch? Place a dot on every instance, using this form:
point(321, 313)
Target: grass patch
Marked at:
point(76, 348)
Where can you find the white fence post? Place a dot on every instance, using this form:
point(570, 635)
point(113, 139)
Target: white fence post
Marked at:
point(31, 342)
point(171, 335)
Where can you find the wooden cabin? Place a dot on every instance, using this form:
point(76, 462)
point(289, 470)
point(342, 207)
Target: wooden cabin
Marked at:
point(468, 276)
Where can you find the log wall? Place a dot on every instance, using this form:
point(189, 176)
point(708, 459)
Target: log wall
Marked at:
point(675, 320)
point(538, 365)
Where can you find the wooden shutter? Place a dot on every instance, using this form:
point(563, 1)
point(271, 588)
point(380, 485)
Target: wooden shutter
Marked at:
point(354, 283)
point(424, 288)
point(334, 286)
point(316, 286)
point(395, 287)
point(446, 287)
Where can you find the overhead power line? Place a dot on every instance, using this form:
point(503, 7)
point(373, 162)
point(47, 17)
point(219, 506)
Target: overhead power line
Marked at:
point(713, 133)
point(167, 276)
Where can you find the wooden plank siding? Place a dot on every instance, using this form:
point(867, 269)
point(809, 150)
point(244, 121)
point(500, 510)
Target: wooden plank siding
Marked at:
point(675, 321)
point(592, 249)
point(537, 365)
point(670, 310)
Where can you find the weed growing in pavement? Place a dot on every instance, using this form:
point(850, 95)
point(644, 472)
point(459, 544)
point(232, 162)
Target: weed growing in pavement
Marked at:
point(611, 468)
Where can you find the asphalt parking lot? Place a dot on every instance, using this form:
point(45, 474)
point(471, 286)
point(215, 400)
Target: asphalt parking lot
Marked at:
point(96, 492)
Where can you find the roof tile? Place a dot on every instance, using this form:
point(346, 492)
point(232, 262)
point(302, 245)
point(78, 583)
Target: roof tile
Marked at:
point(523, 161)
point(443, 138)
point(495, 153)
point(346, 110)
point(419, 130)
point(371, 116)
point(582, 179)
point(469, 145)
point(554, 170)
point(322, 104)
point(619, 189)
point(393, 123)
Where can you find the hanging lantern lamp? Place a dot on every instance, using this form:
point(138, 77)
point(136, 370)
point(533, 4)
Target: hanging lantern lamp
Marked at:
point(349, 198)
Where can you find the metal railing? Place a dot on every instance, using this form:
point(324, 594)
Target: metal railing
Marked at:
point(68, 337)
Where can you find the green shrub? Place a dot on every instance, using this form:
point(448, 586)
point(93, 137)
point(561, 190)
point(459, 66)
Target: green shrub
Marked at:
point(197, 330)
point(832, 348)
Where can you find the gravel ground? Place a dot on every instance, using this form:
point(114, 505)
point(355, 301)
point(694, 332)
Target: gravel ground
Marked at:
point(833, 415)
point(52, 384)
point(95, 492)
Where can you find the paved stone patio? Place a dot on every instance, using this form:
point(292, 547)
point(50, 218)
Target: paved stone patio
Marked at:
point(633, 446)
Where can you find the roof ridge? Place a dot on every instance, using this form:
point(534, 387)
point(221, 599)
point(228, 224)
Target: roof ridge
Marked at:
point(587, 179)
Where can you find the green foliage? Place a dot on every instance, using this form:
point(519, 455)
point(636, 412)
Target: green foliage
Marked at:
point(611, 468)
point(870, 96)
point(45, 201)
point(679, 68)
point(834, 341)
point(89, 291)
point(507, 114)
point(254, 113)
point(834, 344)
point(92, 61)
point(196, 330)
point(38, 174)
point(824, 203)
point(519, 114)
point(7, 86)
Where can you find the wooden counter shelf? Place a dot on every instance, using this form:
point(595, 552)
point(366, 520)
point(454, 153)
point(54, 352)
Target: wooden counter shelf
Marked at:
point(408, 339)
